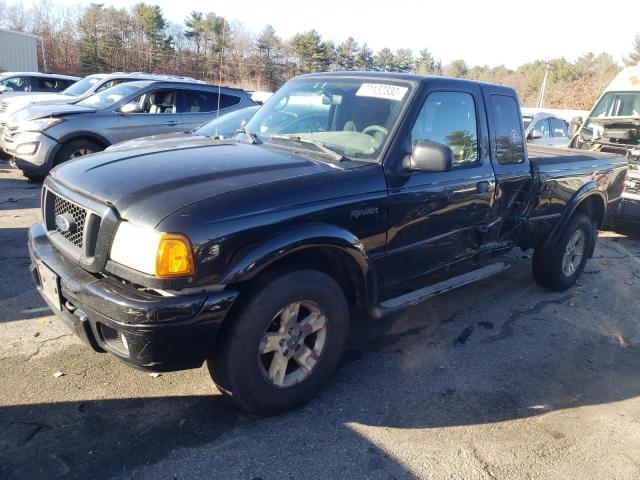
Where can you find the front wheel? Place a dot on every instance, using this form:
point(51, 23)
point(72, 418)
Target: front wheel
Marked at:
point(559, 267)
point(283, 344)
point(76, 149)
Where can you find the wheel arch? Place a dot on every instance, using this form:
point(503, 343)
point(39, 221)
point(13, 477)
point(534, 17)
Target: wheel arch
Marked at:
point(589, 200)
point(328, 248)
point(86, 135)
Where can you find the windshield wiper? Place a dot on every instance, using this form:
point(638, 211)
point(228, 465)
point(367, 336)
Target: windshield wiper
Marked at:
point(320, 146)
point(253, 138)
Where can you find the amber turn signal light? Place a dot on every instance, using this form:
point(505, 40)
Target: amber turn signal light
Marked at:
point(174, 258)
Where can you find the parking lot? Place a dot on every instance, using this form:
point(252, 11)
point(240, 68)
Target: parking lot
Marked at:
point(501, 379)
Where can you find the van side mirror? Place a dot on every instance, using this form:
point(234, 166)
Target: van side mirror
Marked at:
point(535, 135)
point(574, 126)
point(132, 107)
point(429, 157)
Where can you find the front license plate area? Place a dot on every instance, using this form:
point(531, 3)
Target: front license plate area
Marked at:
point(50, 284)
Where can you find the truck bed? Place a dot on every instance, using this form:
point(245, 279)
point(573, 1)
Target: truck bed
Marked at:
point(550, 156)
point(559, 174)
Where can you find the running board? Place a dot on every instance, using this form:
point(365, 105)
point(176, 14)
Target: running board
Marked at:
point(418, 296)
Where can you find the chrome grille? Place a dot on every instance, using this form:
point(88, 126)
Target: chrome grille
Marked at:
point(3, 107)
point(79, 214)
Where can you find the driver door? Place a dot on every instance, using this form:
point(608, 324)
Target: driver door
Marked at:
point(437, 219)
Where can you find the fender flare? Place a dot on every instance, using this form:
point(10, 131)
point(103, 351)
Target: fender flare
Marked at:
point(297, 239)
point(585, 192)
point(85, 134)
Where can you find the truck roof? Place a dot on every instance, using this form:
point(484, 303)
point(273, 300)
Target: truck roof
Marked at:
point(627, 80)
point(411, 77)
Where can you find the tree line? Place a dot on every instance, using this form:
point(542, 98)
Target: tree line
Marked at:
point(97, 38)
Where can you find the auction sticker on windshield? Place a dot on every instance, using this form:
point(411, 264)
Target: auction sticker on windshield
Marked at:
point(381, 90)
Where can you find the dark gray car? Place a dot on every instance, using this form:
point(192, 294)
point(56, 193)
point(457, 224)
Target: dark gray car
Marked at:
point(42, 136)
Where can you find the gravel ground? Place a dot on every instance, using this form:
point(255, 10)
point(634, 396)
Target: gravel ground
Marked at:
point(498, 380)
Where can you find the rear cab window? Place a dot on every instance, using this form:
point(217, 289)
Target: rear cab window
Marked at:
point(507, 138)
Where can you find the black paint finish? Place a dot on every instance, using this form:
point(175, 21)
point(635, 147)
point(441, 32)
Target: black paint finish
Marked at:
point(245, 207)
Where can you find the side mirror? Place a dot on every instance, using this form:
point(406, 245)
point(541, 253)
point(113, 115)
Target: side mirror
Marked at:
point(243, 123)
point(535, 135)
point(574, 126)
point(429, 157)
point(130, 108)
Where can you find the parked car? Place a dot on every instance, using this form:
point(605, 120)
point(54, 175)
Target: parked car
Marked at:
point(613, 125)
point(224, 126)
point(23, 83)
point(250, 252)
point(546, 129)
point(42, 136)
point(78, 91)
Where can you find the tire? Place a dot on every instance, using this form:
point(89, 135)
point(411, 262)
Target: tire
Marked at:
point(32, 178)
point(76, 149)
point(551, 269)
point(244, 363)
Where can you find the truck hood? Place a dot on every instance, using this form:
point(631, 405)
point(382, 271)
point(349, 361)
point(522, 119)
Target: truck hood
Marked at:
point(34, 112)
point(149, 182)
point(164, 141)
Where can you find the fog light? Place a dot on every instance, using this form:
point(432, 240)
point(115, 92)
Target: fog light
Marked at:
point(27, 148)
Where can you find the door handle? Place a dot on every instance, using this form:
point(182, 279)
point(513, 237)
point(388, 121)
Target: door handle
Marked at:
point(172, 123)
point(482, 187)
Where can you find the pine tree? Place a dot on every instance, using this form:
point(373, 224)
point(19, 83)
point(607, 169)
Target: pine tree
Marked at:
point(347, 54)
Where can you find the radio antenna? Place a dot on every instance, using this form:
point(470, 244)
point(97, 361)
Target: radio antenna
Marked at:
point(224, 28)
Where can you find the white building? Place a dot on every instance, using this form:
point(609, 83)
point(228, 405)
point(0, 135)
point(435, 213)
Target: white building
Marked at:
point(18, 51)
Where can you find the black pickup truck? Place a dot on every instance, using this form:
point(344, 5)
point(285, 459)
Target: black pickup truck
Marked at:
point(249, 253)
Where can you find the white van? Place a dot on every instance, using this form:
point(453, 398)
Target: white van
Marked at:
point(613, 125)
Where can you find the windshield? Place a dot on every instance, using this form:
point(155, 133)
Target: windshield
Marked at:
point(616, 104)
point(109, 97)
point(352, 117)
point(227, 124)
point(527, 121)
point(81, 86)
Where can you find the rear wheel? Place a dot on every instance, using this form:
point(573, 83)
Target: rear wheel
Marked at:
point(283, 344)
point(559, 267)
point(76, 149)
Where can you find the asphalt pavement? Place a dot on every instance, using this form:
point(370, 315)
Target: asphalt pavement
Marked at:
point(498, 380)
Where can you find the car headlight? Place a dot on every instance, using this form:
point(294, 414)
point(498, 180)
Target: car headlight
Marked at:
point(163, 255)
point(39, 125)
point(27, 148)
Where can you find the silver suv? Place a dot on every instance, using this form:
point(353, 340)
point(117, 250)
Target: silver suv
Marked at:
point(42, 136)
point(77, 91)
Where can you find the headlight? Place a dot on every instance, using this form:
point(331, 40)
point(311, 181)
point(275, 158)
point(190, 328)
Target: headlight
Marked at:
point(27, 148)
point(39, 125)
point(163, 255)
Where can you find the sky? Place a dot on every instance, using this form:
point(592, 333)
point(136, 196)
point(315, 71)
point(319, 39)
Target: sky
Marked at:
point(489, 32)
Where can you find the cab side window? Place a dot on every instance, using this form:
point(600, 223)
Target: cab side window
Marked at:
point(449, 118)
point(508, 145)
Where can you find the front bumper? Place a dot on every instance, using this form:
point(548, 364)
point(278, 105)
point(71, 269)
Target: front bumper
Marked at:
point(162, 333)
point(38, 162)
